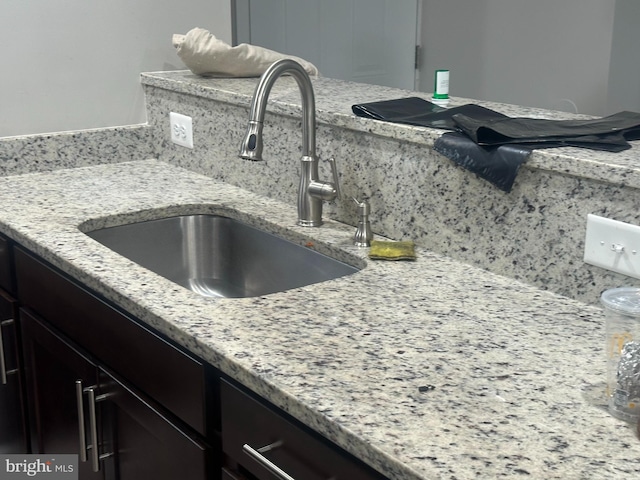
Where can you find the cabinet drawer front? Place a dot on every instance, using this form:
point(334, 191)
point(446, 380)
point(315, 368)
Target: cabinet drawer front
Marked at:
point(299, 453)
point(164, 373)
point(6, 281)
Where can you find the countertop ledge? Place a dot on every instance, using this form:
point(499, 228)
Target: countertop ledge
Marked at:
point(333, 107)
point(515, 375)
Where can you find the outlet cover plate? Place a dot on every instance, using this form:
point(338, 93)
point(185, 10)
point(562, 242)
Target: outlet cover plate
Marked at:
point(613, 245)
point(181, 129)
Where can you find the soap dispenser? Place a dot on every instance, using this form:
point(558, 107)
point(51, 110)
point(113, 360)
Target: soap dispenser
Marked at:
point(363, 235)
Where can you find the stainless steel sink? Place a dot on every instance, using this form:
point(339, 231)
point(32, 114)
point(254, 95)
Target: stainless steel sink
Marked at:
point(217, 256)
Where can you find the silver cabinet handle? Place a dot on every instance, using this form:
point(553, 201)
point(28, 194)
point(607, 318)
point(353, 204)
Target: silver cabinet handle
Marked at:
point(81, 430)
point(256, 454)
point(93, 428)
point(3, 366)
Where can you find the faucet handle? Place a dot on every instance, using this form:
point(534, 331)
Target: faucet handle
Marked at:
point(334, 172)
point(327, 191)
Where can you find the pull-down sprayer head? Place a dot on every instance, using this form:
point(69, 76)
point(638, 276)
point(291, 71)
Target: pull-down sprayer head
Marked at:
point(251, 148)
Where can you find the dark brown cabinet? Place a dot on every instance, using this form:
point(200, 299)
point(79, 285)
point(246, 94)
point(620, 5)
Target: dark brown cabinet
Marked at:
point(132, 404)
point(174, 379)
point(12, 421)
point(57, 374)
point(260, 442)
point(79, 403)
point(13, 438)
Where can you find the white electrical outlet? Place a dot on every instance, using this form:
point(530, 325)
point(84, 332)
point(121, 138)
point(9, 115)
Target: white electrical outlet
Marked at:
point(181, 129)
point(613, 245)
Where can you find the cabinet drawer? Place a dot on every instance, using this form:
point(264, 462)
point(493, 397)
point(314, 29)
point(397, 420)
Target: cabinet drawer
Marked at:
point(249, 424)
point(161, 371)
point(6, 280)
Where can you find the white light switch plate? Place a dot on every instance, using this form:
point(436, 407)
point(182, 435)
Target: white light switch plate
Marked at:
point(613, 245)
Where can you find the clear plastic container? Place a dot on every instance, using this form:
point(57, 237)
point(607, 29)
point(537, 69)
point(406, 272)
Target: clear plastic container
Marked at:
point(622, 316)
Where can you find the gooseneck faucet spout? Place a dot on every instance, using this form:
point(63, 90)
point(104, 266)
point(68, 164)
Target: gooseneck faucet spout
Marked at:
point(311, 191)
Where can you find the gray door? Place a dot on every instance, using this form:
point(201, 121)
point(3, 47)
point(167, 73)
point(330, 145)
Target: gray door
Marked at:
point(368, 41)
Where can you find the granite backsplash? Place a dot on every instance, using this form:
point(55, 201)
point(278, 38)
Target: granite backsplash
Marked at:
point(53, 151)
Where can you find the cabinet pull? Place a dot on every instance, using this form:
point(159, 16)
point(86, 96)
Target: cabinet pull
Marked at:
point(81, 431)
point(93, 427)
point(3, 366)
point(256, 454)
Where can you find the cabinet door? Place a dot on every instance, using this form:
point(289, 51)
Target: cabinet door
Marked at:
point(149, 445)
point(13, 437)
point(135, 440)
point(58, 376)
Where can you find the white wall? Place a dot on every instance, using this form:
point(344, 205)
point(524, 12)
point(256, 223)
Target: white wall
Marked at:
point(74, 64)
point(535, 53)
point(624, 73)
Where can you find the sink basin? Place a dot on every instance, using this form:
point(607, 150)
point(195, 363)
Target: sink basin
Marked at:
point(218, 256)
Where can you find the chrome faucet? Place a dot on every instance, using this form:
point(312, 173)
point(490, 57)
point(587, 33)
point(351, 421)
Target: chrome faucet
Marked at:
point(311, 191)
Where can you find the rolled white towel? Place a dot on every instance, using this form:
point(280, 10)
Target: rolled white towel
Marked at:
point(204, 54)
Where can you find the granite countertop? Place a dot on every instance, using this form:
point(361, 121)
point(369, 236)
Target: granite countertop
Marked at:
point(514, 376)
point(333, 107)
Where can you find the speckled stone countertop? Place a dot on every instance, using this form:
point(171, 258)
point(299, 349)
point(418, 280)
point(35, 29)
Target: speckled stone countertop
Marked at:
point(517, 373)
point(333, 107)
